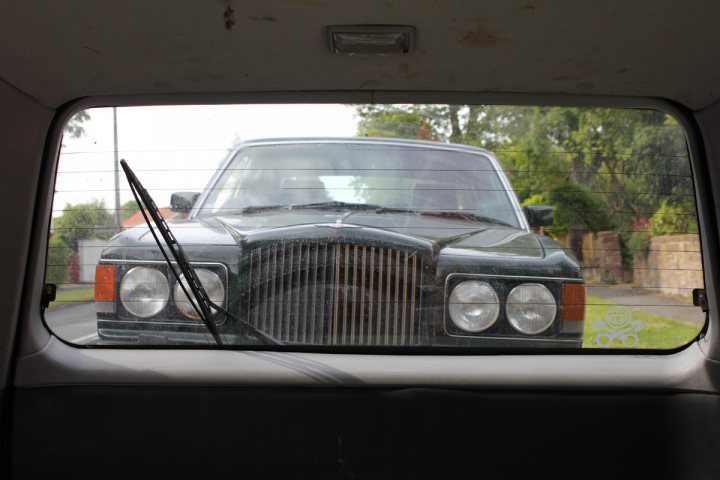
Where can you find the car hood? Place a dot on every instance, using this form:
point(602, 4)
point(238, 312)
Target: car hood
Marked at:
point(456, 244)
point(229, 230)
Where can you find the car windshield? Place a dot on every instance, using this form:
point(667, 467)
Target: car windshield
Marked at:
point(416, 177)
point(414, 226)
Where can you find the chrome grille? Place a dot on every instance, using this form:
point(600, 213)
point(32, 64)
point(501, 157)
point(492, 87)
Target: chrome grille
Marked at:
point(336, 294)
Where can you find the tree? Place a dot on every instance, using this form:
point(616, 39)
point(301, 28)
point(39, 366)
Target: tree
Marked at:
point(574, 206)
point(128, 209)
point(57, 259)
point(83, 221)
point(633, 159)
point(600, 168)
point(74, 126)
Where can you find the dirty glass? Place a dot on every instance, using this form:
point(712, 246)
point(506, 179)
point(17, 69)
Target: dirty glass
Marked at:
point(378, 226)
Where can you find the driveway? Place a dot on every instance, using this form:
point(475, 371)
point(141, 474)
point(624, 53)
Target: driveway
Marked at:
point(649, 303)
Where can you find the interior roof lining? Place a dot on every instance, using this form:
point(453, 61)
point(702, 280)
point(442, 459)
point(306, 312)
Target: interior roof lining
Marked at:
point(25, 94)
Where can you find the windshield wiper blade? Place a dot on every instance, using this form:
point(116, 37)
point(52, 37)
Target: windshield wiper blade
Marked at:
point(447, 214)
point(262, 208)
point(200, 301)
point(466, 216)
point(334, 205)
point(337, 205)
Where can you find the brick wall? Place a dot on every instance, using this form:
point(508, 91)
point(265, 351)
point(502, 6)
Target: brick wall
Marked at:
point(673, 265)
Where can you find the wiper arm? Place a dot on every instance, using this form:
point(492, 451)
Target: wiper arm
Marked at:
point(200, 301)
point(447, 214)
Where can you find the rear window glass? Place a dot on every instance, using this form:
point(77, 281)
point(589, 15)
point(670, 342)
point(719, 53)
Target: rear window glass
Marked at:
point(375, 226)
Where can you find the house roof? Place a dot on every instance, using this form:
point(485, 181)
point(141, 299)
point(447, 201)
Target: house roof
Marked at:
point(137, 218)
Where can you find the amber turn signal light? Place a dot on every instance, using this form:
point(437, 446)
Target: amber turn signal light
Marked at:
point(573, 302)
point(105, 283)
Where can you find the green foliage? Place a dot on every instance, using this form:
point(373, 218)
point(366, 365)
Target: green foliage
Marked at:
point(638, 246)
point(57, 258)
point(83, 221)
point(401, 122)
point(573, 206)
point(67, 298)
point(601, 167)
point(673, 218)
point(128, 209)
point(74, 126)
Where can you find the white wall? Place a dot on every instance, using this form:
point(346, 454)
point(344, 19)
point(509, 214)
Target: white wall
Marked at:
point(89, 252)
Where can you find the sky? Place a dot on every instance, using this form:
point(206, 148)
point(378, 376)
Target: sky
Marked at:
point(189, 140)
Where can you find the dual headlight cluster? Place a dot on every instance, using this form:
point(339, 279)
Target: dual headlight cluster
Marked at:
point(474, 306)
point(145, 292)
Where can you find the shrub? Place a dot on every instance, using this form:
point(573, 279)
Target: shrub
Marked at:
point(638, 244)
point(58, 253)
point(573, 205)
point(674, 218)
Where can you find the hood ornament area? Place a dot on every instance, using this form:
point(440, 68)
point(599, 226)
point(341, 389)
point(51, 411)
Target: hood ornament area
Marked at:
point(340, 225)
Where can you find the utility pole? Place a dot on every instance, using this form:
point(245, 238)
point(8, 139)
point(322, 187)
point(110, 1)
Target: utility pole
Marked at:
point(116, 161)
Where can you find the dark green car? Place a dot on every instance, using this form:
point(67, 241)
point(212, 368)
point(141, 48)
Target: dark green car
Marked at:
point(350, 242)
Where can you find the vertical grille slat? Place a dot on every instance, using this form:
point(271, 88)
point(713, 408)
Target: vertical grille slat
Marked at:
point(296, 293)
point(346, 294)
point(404, 300)
point(398, 281)
point(379, 309)
point(388, 301)
point(313, 297)
point(354, 295)
point(412, 298)
point(325, 283)
point(372, 292)
point(335, 294)
point(362, 296)
point(305, 299)
point(278, 298)
point(270, 295)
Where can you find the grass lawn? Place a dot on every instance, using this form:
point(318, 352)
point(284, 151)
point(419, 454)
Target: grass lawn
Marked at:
point(656, 331)
point(68, 297)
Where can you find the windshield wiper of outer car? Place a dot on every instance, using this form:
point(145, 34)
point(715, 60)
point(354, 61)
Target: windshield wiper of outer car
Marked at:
point(200, 301)
point(335, 205)
point(454, 214)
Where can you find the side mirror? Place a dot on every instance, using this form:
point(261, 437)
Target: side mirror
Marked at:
point(539, 215)
point(183, 202)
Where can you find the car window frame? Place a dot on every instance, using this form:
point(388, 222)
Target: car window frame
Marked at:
point(36, 335)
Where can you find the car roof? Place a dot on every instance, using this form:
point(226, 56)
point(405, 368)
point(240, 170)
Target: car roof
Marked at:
point(611, 48)
point(420, 144)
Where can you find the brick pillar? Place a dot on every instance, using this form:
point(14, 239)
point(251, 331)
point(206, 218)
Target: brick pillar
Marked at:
point(73, 269)
point(610, 257)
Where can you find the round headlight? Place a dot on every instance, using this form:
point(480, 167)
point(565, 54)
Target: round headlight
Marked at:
point(144, 291)
point(474, 306)
point(213, 286)
point(530, 308)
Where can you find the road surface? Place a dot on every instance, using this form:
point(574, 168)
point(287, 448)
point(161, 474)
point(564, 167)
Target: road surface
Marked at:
point(75, 324)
